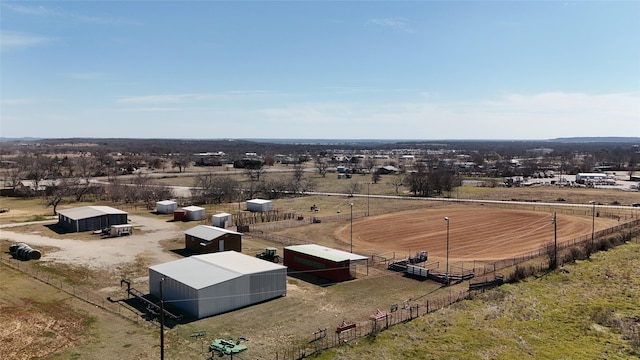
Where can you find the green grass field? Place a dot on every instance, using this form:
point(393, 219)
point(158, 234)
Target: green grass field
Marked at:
point(589, 310)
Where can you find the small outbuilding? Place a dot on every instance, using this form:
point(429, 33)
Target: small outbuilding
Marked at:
point(90, 218)
point(327, 263)
point(204, 239)
point(221, 220)
point(166, 206)
point(259, 205)
point(194, 213)
point(210, 284)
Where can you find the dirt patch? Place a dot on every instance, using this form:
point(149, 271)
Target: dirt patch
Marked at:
point(104, 253)
point(33, 330)
point(475, 233)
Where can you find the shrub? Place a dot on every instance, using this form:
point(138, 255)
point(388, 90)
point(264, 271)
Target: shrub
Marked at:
point(604, 244)
point(575, 253)
point(521, 273)
point(605, 316)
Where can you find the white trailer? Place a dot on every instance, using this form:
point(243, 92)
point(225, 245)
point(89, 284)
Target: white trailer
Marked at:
point(121, 230)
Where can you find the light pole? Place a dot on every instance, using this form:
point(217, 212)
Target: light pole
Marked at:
point(555, 241)
point(593, 221)
point(351, 205)
point(368, 196)
point(446, 218)
point(161, 321)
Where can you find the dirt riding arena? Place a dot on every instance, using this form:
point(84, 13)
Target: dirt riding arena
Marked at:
point(476, 233)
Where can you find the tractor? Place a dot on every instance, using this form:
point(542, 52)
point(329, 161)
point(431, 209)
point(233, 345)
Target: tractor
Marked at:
point(269, 254)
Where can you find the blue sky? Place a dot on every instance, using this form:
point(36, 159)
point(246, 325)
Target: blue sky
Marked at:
point(320, 69)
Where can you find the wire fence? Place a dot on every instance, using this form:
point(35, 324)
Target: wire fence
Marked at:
point(377, 322)
point(411, 311)
point(332, 338)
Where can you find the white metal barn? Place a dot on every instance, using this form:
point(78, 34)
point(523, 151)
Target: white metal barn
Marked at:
point(210, 284)
point(221, 220)
point(194, 213)
point(166, 206)
point(259, 205)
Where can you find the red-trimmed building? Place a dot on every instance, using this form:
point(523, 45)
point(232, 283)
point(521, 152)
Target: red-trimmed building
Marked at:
point(320, 261)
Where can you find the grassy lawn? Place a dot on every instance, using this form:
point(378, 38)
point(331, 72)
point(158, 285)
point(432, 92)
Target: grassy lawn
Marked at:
point(587, 311)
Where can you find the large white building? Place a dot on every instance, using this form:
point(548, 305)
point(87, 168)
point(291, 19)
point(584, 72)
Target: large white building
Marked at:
point(210, 284)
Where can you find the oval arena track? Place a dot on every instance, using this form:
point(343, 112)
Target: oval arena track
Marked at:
point(475, 233)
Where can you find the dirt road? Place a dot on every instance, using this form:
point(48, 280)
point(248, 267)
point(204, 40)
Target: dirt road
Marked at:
point(106, 253)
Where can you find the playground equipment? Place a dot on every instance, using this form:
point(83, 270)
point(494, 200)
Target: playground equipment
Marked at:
point(269, 254)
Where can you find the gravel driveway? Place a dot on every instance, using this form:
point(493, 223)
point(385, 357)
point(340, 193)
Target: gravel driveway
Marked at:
point(106, 253)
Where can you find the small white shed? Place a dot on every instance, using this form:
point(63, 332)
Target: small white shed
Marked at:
point(221, 220)
point(259, 205)
point(194, 213)
point(166, 206)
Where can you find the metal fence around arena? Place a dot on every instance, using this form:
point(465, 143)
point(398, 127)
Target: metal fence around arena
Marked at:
point(408, 312)
point(377, 322)
point(329, 337)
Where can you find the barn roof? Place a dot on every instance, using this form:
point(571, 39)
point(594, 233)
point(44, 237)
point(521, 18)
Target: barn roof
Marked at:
point(222, 214)
point(85, 212)
point(206, 232)
point(192, 208)
point(201, 271)
point(326, 253)
point(259, 201)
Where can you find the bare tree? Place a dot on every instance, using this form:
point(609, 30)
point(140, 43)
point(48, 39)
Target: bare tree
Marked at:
point(375, 177)
point(254, 173)
point(322, 167)
point(354, 188)
point(369, 163)
point(36, 169)
point(56, 193)
point(396, 182)
point(307, 185)
point(86, 167)
point(210, 188)
point(12, 176)
point(181, 162)
point(274, 188)
point(298, 176)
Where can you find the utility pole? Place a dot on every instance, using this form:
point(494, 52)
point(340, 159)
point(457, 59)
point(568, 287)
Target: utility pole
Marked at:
point(161, 321)
point(368, 196)
point(446, 218)
point(351, 205)
point(593, 222)
point(555, 241)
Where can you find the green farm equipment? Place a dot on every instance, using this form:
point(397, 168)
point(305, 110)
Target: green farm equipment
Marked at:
point(227, 346)
point(269, 254)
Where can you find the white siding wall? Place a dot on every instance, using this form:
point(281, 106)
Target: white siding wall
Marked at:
point(175, 294)
point(243, 291)
point(196, 215)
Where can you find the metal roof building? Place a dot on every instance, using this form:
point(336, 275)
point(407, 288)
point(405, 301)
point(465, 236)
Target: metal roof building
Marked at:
point(259, 205)
point(321, 261)
point(194, 213)
point(209, 239)
point(221, 220)
point(166, 206)
point(210, 284)
point(89, 218)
